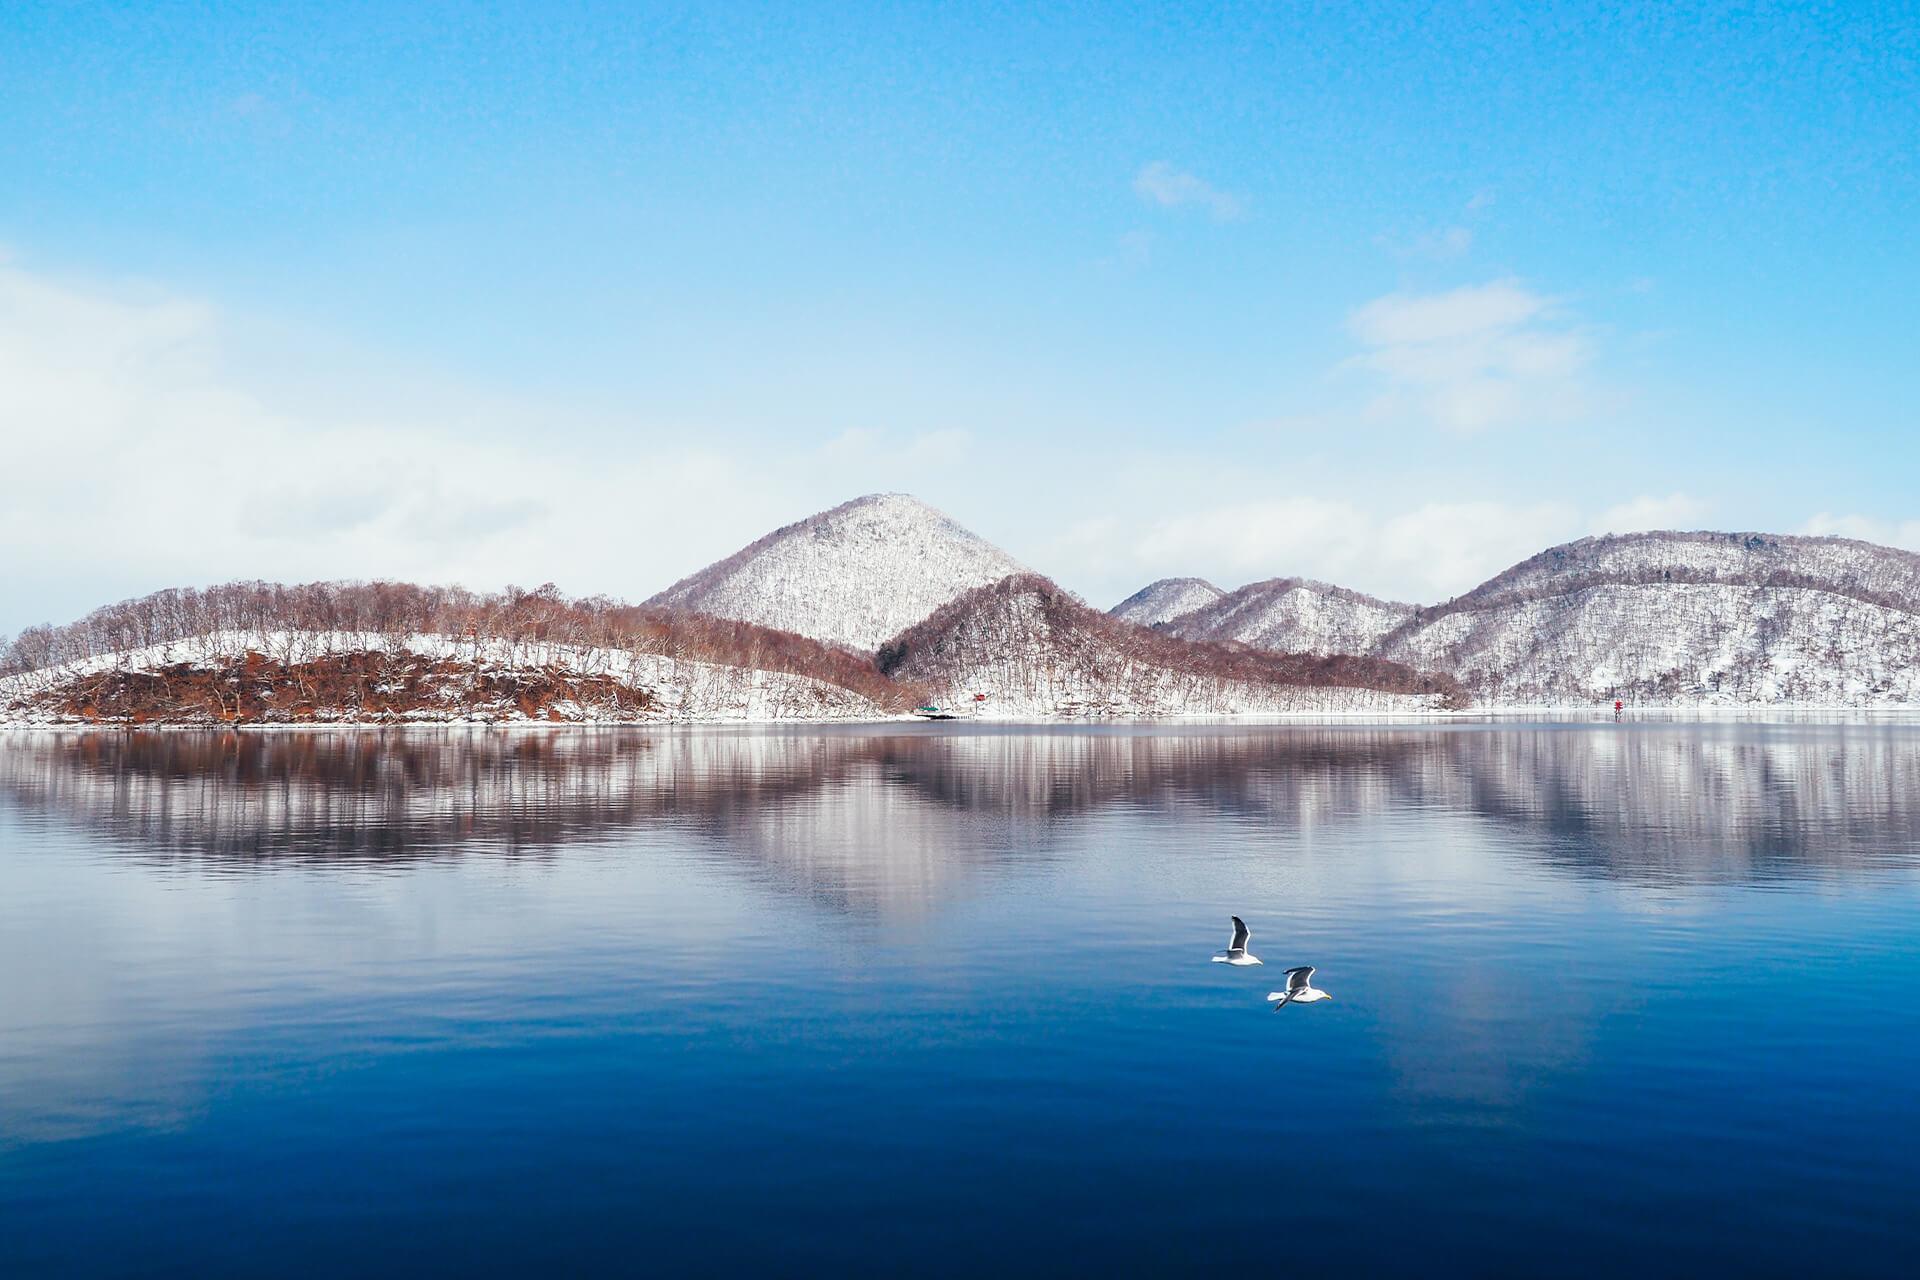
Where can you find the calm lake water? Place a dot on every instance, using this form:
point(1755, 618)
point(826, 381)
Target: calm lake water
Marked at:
point(931, 1001)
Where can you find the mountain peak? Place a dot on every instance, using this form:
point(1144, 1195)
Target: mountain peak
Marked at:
point(852, 575)
point(905, 502)
point(1165, 600)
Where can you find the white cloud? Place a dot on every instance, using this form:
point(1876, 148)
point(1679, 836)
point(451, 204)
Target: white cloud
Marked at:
point(1651, 512)
point(1402, 319)
point(1472, 358)
point(855, 443)
point(1888, 533)
point(945, 448)
point(1250, 536)
point(1424, 553)
point(861, 447)
point(134, 460)
point(1162, 184)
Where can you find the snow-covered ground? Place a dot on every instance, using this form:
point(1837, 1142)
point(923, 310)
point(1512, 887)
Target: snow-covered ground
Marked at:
point(856, 575)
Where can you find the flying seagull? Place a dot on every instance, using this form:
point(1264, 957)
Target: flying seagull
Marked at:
point(1236, 952)
point(1300, 989)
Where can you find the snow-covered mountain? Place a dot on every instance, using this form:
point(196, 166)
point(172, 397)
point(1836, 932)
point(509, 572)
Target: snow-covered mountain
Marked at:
point(1034, 650)
point(1669, 619)
point(789, 628)
point(1165, 600)
point(1688, 619)
point(854, 576)
point(1294, 615)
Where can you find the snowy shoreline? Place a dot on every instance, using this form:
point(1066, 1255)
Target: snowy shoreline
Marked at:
point(678, 692)
point(1580, 714)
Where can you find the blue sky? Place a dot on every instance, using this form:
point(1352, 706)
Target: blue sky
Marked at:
point(594, 294)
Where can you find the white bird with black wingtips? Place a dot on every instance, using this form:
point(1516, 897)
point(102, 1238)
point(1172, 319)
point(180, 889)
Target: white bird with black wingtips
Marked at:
point(1300, 989)
point(1236, 952)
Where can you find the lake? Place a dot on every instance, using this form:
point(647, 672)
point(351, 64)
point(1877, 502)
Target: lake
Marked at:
point(937, 1000)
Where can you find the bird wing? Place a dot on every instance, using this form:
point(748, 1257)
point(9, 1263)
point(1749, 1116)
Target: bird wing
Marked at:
point(1240, 935)
point(1297, 979)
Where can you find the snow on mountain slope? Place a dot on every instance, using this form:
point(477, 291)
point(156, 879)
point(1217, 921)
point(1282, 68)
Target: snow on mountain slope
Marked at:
point(1843, 565)
point(1683, 619)
point(855, 575)
point(1165, 600)
point(1035, 651)
point(1295, 615)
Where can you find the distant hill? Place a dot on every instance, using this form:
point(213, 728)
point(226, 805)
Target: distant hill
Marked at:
point(1035, 650)
point(1165, 600)
point(855, 575)
point(860, 611)
point(1294, 615)
point(1683, 619)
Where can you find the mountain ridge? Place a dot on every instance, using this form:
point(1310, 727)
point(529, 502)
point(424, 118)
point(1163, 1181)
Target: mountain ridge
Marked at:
point(1682, 618)
point(1295, 615)
point(1166, 599)
point(1034, 649)
point(801, 622)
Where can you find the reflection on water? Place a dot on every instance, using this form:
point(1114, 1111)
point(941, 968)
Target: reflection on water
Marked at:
point(868, 817)
point(1609, 997)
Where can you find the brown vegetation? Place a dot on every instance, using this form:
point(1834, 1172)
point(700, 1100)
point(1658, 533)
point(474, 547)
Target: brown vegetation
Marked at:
point(371, 674)
point(388, 612)
point(358, 687)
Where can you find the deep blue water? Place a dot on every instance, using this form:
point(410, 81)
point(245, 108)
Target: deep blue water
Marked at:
point(903, 1000)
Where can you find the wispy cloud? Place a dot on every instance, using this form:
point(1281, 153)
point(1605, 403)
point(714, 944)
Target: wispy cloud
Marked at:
point(1472, 358)
point(1437, 244)
point(1890, 533)
point(1161, 184)
point(1423, 553)
point(1649, 512)
point(1450, 239)
point(857, 446)
point(1426, 552)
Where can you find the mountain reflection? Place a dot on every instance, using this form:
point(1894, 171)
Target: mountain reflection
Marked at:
point(879, 816)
